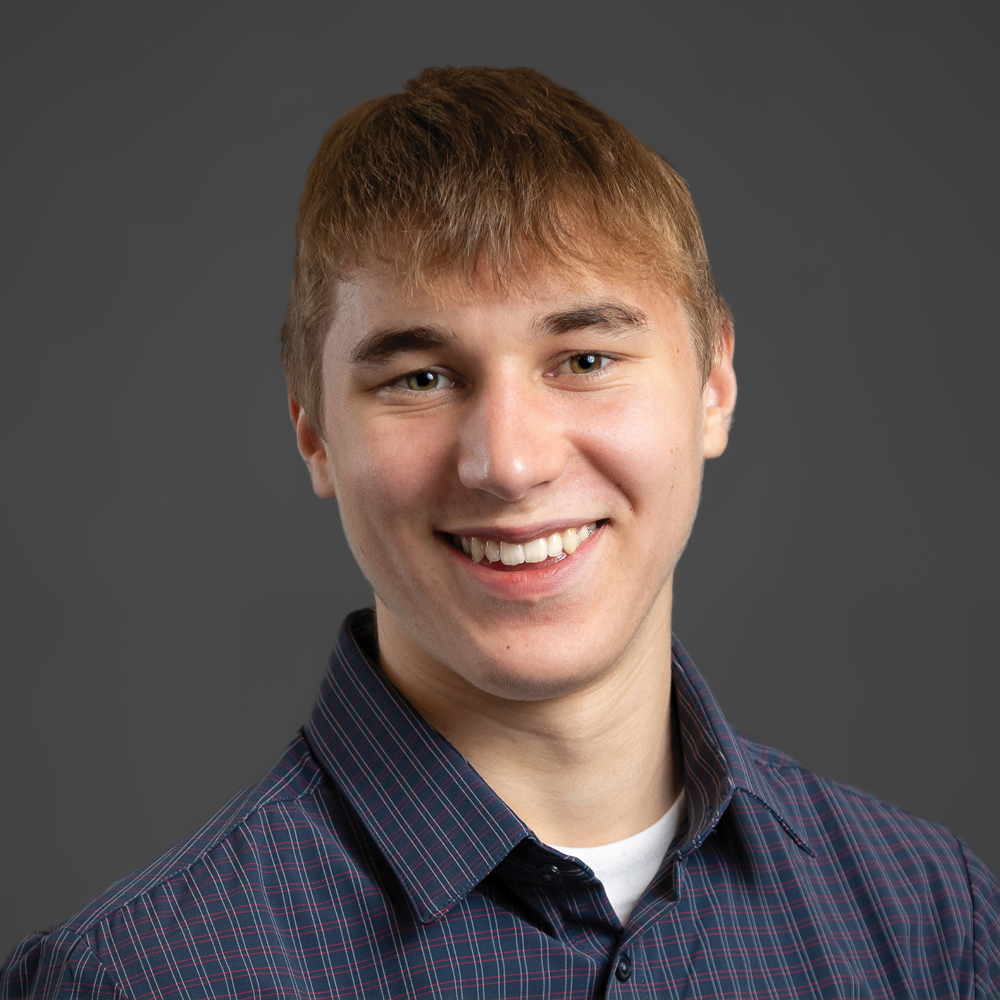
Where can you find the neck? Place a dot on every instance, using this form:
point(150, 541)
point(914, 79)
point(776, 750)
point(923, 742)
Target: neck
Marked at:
point(587, 767)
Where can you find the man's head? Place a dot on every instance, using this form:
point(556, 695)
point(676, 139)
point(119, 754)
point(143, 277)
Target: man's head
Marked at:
point(503, 328)
point(475, 172)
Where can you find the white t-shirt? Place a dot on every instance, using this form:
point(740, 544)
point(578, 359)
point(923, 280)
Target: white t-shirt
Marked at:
point(627, 866)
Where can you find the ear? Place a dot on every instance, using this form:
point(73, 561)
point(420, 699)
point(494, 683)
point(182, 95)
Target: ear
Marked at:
point(720, 396)
point(313, 449)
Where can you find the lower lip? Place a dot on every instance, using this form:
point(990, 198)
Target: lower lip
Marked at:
point(529, 579)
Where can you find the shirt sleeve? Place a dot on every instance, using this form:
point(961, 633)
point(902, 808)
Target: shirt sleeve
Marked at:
point(985, 927)
point(44, 968)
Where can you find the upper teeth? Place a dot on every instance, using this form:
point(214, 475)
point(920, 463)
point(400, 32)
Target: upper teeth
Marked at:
point(535, 551)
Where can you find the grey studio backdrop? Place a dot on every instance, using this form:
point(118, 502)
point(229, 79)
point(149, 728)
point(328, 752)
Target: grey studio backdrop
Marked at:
point(171, 588)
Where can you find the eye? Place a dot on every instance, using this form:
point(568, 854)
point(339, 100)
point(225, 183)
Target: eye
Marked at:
point(422, 381)
point(584, 364)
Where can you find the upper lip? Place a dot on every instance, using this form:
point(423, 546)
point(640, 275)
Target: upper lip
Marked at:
point(519, 535)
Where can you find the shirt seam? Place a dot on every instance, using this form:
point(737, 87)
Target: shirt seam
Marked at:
point(873, 800)
point(80, 945)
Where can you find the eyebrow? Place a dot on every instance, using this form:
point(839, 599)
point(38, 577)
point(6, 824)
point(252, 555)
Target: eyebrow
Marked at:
point(613, 317)
point(384, 343)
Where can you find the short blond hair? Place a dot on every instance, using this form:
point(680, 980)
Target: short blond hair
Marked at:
point(474, 171)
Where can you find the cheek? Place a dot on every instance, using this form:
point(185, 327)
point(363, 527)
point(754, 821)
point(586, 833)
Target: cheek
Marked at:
point(649, 446)
point(389, 469)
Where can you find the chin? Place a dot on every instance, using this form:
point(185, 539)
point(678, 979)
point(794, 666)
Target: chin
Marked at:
point(520, 668)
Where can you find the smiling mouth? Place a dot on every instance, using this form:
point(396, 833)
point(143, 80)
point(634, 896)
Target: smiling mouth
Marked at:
point(537, 551)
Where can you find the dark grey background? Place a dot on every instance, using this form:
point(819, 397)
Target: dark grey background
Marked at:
point(171, 588)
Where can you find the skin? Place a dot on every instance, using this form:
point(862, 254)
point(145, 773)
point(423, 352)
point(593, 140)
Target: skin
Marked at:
point(554, 682)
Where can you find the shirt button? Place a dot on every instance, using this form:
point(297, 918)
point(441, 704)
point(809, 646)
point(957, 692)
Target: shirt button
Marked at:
point(623, 970)
point(550, 874)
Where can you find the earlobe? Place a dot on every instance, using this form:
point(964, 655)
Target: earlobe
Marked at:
point(313, 449)
point(720, 397)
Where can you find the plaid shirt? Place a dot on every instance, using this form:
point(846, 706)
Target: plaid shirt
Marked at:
point(374, 862)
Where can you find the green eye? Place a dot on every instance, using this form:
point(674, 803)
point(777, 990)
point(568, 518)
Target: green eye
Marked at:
point(582, 364)
point(422, 381)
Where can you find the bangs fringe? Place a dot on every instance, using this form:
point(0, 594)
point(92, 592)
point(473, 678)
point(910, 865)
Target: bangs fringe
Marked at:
point(484, 173)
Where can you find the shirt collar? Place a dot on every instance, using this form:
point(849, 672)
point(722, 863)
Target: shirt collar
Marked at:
point(439, 825)
point(717, 762)
point(441, 828)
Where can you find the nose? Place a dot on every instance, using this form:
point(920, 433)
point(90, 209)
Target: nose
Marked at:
point(511, 441)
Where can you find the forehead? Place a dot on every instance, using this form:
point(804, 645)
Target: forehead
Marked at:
point(531, 302)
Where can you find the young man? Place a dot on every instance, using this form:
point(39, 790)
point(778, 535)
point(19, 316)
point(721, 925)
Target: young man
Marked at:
point(507, 362)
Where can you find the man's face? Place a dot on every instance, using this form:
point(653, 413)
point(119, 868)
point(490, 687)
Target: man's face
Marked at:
point(510, 418)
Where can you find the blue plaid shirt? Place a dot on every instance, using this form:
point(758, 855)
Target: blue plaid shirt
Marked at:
point(374, 862)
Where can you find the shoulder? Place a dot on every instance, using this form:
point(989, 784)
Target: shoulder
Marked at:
point(881, 856)
point(193, 882)
point(231, 832)
point(899, 895)
point(838, 816)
